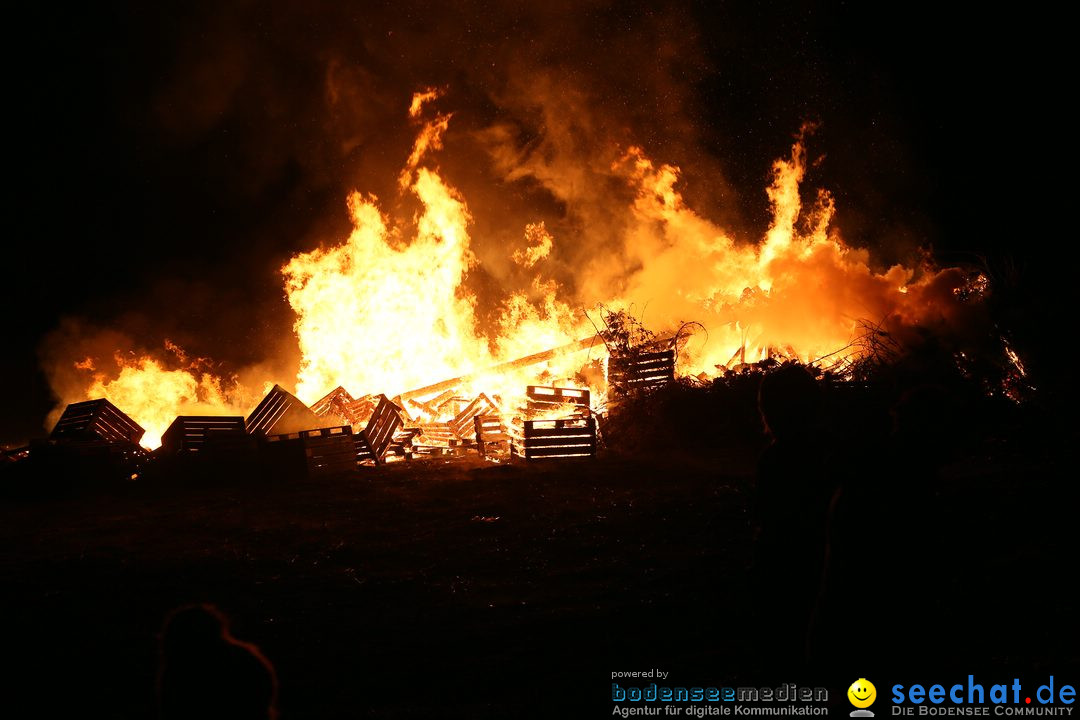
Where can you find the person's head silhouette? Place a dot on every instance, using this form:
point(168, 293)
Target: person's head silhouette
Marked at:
point(789, 401)
point(205, 672)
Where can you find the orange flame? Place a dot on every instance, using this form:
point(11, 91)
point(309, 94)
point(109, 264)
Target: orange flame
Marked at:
point(153, 395)
point(388, 309)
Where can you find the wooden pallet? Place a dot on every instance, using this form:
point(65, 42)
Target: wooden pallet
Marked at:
point(463, 425)
point(402, 443)
point(435, 433)
point(463, 446)
point(335, 404)
point(642, 372)
point(281, 412)
point(321, 452)
point(554, 439)
point(568, 401)
point(492, 438)
point(433, 439)
point(194, 433)
point(339, 404)
point(96, 420)
point(432, 450)
point(374, 440)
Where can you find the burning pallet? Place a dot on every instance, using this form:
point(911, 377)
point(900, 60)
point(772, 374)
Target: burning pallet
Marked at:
point(640, 372)
point(434, 439)
point(96, 420)
point(339, 405)
point(401, 445)
point(375, 439)
point(492, 438)
point(462, 425)
point(196, 433)
point(321, 452)
point(568, 438)
point(281, 412)
point(544, 400)
point(445, 403)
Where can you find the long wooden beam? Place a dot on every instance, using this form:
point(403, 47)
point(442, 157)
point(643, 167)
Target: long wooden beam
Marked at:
point(583, 344)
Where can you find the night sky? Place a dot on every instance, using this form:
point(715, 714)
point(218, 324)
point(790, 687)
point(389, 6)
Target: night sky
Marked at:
point(169, 158)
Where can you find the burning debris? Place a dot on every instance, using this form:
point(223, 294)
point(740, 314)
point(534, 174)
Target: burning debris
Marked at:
point(281, 412)
point(492, 438)
point(378, 432)
point(391, 309)
point(339, 433)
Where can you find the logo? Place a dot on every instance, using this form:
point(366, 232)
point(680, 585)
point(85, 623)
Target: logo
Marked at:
point(862, 694)
point(974, 698)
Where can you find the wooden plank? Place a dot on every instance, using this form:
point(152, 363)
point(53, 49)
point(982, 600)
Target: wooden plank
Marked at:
point(463, 425)
point(379, 433)
point(426, 411)
point(432, 450)
point(337, 404)
point(401, 444)
point(362, 449)
point(435, 433)
point(558, 395)
point(452, 383)
point(551, 439)
point(541, 454)
point(586, 442)
point(192, 433)
point(536, 426)
point(322, 451)
point(492, 437)
point(541, 399)
point(641, 372)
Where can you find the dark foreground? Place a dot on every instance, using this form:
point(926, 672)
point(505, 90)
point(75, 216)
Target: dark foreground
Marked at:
point(483, 591)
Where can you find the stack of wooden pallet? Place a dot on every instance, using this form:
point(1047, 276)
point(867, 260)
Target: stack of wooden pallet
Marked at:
point(557, 424)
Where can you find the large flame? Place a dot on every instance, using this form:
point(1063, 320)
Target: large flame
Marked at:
point(382, 314)
point(388, 310)
point(371, 315)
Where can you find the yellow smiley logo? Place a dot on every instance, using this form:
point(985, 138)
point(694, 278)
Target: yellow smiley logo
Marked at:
point(862, 693)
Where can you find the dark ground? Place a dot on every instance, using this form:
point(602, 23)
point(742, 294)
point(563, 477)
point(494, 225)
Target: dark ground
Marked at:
point(482, 591)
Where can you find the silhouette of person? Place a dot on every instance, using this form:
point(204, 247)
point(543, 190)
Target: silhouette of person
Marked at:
point(204, 672)
point(791, 500)
point(881, 522)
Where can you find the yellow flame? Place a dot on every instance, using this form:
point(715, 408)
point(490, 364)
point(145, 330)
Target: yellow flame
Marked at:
point(421, 98)
point(153, 395)
point(388, 309)
point(539, 244)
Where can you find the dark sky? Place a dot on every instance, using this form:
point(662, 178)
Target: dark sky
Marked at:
point(169, 157)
